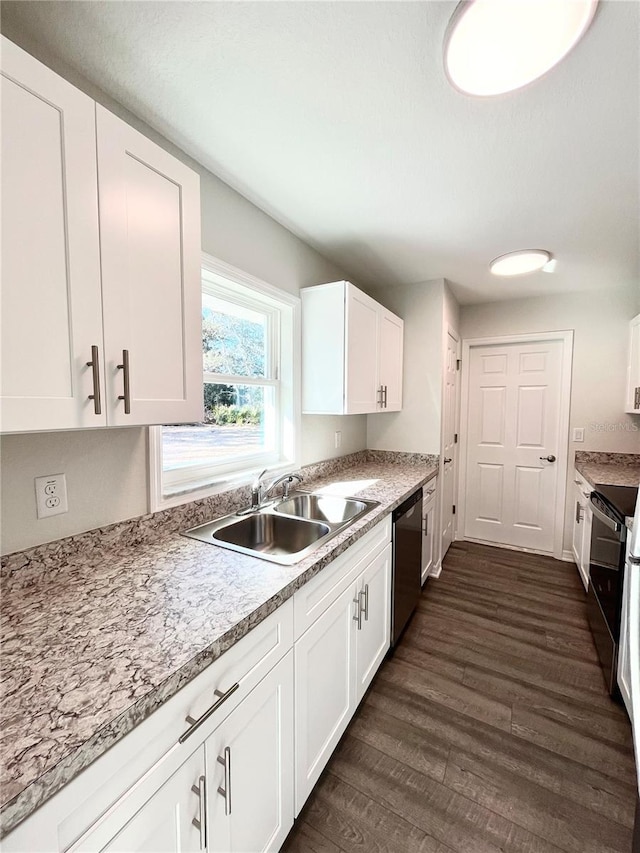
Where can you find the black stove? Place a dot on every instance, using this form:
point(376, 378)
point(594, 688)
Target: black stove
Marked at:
point(620, 499)
point(610, 505)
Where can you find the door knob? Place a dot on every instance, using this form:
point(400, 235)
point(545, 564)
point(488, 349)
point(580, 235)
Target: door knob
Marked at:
point(549, 458)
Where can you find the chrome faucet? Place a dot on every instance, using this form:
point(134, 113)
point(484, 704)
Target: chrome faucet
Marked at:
point(260, 492)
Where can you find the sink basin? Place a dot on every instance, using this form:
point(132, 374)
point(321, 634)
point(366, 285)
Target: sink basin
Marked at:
point(331, 509)
point(272, 534)
point(284, 532)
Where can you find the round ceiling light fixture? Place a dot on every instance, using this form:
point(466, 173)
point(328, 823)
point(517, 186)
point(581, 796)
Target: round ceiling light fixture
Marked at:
point(496, 46)
point(520, 262)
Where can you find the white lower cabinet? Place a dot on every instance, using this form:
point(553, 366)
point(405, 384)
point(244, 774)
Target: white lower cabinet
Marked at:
point(372, 635)
point(581, 544)
point(624, 659)
point(428, 530)
point(338, 655)
point(165, 820)
point(325, 690)
point(249, 769)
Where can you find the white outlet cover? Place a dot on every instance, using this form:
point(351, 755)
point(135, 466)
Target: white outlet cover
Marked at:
point(51, 495)
point(578, 433)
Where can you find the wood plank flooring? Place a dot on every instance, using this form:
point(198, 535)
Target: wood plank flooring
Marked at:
point(489, 730)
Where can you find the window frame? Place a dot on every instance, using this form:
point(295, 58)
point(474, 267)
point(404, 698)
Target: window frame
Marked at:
point(282, 374)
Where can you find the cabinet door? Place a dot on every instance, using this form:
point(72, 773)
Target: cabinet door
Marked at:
point(372, 636)
point(624, 662)
point(577, 544)
point(51, 307)
point(391, 331)
point(250, 769)
point(150, 243)
point(164, 822)
point(633, 368)
point(428, 539)
point(325, 689)
point(361, 386)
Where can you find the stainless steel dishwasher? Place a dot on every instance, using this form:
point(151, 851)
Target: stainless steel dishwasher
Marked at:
point(407, 563)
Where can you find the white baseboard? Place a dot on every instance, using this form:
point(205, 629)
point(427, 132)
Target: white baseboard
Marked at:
point(568, 557)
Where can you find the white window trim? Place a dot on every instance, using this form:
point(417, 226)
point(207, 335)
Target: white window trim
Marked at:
point(251, 466)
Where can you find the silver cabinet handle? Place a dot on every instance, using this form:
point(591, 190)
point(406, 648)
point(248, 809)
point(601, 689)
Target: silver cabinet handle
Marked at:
point(385, 396)
point(636, 398)
point(200, 822)
point(225, 792)
point(94, 364)
point(126, 376)
point(549, 458)
point(379, 395)
point(425, 529)
point(365, 594)
point(357, 617)
point(578, 512)
point(195, 724)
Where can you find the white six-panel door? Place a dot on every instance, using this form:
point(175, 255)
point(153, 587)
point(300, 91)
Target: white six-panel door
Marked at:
point(448, 463)
point(513, 423)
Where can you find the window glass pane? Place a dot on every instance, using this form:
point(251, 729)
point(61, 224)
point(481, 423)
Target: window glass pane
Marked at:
point(234, 338)
point(239, 422)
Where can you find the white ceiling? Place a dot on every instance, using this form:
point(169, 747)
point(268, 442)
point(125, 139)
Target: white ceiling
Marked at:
point(336, 119)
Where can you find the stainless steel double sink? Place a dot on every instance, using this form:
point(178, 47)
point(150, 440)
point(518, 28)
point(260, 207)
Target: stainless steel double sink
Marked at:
point(284, 531)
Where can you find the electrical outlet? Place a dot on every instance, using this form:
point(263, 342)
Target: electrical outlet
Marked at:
point(338, 438)
point(578, 433)
point(51, 495)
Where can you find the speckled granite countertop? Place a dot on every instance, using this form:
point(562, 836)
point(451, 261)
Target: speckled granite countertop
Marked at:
point(611, 469)
point(93, 646)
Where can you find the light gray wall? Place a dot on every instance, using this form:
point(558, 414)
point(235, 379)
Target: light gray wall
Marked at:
point(426, 308)
point(600, 325)
point(107, 469)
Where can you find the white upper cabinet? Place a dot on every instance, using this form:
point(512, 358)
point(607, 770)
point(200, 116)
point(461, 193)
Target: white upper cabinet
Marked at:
point(151, 291)
point(51, 301)
point(351, 352)
point(100, 264)
point(632, 403)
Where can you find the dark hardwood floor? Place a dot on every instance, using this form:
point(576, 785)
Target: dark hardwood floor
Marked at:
point(489, 730)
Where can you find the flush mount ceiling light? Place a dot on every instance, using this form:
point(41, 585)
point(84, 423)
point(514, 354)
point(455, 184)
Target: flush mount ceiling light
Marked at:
point(520, 262)
point(496, 46)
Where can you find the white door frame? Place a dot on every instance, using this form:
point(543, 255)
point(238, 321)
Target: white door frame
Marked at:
point(437, 568)
point(562, 452)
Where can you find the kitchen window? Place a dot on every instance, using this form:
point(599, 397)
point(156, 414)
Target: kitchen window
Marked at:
point(250, 334)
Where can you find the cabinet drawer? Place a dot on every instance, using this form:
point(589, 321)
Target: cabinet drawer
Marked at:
point(65, 817)
point(311, 601)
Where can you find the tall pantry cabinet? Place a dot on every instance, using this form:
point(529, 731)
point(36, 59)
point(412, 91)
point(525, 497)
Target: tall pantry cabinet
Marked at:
point(100, 264)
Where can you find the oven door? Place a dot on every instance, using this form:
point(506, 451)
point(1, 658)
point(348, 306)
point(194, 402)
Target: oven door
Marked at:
point(605, 589)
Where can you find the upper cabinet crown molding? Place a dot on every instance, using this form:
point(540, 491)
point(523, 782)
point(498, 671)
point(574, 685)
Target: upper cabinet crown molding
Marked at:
point(352, 351)
point(632, 402)
point(100, 264)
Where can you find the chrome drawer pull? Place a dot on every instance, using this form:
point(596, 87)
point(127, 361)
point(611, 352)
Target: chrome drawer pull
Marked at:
point(94, 364)
point(357, 617)
point(127, 381)
point(200, 822)
point(226, 791)
point(195, 724)
point(364, 594)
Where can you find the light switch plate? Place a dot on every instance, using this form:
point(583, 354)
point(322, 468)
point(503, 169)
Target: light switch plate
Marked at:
point(51, 495)
point(578, 433)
